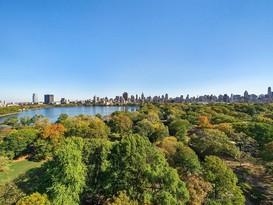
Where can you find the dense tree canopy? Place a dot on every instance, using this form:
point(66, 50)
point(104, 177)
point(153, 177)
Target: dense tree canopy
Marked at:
point(135, 166)
point(164, 153)
point(213, 142)
point(18, 142)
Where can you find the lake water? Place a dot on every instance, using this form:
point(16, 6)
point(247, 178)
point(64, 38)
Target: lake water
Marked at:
point(54, 112)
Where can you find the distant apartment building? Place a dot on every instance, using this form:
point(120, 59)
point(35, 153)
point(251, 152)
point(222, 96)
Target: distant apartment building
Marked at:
point(35, 98)
point(64, 101)
point(2, 104)
point(49, 99)
point(269, 92)
point(125, 96)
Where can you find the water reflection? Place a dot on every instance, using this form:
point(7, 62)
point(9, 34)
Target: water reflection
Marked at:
point(54, 112)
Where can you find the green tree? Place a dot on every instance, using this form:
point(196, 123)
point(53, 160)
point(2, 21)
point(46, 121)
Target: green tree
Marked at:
point(120, 123)
point(95, 154)
point(261, 132)
point(185, 160)
point(224, 182)
point(144, 128)
point(180, 156)
point(179, 128)
point(136, 166)
point(25, 120)
point(213, 142)
point(62, 117)
point(98, 129)
point(160, 132)
point(86, 127)
point(11, 121)
point(36, 118)
point(18, 142)
point(67, 173)
point(267, 152)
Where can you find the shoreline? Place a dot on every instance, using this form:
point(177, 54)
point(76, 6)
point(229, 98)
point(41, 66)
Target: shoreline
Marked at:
point(5, 115)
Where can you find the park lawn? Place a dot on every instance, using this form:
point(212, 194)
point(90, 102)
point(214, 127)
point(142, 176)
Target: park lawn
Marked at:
point(18, 168)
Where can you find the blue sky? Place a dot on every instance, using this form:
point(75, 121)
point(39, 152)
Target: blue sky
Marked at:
point(78, 49)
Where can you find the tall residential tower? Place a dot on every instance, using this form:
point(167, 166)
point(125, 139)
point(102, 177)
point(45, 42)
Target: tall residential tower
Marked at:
point(269, 92)
point(35, 98)
point(49, 99)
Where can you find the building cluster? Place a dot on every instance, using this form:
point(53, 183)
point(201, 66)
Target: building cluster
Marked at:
point(2, 104)
point(223, 98)
point(125, 98)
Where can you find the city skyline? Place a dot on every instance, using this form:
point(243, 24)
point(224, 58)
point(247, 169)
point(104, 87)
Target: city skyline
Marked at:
point(135, 97)
point(89, 48)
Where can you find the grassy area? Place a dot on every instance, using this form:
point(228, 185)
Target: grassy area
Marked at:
point(18, 168)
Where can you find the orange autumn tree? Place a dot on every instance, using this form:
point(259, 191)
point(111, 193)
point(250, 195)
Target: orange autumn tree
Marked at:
point(203, 122)
point(53, 132)
point(51, 136)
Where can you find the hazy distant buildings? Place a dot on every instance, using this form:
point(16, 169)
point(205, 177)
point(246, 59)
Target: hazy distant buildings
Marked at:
point(253, 98)
point(34, 98)
point(49, 99)
point(138, 99)
point(2, 104)
point(64, 101)
point(226, 98)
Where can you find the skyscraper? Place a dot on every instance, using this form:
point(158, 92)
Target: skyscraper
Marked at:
point(49, 99)
point(125, 96)
point(142, 98)
point(269, 92)
point(132, 98)
point(166, 97)
point(35, 98)
point(246, 96)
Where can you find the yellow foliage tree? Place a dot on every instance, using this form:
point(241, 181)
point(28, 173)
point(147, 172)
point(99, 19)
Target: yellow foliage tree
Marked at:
point(34, 199)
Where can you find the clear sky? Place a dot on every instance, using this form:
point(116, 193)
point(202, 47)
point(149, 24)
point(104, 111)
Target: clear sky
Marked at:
point(81, 48)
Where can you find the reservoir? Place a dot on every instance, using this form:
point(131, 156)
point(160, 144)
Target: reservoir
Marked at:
point(54, 112)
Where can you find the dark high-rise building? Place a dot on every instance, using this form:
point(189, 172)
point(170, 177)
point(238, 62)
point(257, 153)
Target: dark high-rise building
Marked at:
point(125, 96)
point(246, 96)
point(132, 98)
point(142, 97)
point(34, 98)
point(269, 92)
point(226, 98)
point(49, 99)
point(166, 97)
